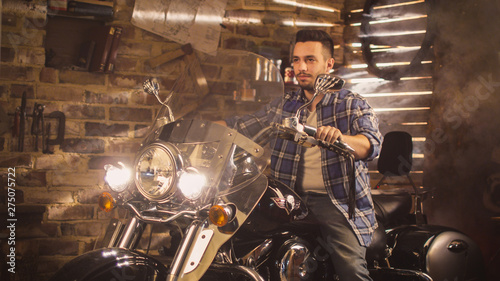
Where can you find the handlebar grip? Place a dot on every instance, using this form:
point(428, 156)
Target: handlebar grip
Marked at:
point(339, 147)
point(311, 131)
point(338, 144)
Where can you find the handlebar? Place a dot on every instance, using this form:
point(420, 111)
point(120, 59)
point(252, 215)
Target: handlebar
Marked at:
point(304, 135)
point(292, 130)
point(140, 214)
point(337, 144)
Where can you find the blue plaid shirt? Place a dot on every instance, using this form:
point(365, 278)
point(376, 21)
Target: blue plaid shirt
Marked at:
point(344, 110)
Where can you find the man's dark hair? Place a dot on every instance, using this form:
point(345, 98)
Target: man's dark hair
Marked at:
point(317, 36)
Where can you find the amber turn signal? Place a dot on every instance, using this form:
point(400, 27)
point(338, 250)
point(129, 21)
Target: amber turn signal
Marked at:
point(220, 215)
point(106, 202)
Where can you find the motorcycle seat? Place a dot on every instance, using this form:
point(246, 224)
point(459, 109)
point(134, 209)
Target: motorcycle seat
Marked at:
point(391, 207)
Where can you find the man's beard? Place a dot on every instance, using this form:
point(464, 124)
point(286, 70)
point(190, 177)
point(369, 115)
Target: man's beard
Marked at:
point(307, 87)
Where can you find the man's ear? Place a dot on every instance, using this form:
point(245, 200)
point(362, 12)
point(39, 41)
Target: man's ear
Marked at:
point(330, 63)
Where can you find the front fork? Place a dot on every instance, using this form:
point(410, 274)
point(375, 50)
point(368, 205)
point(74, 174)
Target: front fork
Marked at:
point(132, 234)
point(124, 236)
point(181, 256)
point(128, 236)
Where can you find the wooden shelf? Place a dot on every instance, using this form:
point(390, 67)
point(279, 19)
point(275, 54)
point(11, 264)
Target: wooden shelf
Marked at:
point(66, 14)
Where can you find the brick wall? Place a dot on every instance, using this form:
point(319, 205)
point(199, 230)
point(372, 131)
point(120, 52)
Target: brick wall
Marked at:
point(106, 116)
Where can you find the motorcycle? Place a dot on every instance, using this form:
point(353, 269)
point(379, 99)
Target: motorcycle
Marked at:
point(235, 222)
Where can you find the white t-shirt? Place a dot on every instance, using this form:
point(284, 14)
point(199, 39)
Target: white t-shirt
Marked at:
point(309, 174)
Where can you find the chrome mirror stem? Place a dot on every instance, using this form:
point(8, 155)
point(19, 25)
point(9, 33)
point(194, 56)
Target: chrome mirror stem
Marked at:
point(152, 87)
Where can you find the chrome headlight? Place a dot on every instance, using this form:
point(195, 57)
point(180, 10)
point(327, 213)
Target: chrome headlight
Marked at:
point(192, 183)
point(156, 171)
point(117, 178)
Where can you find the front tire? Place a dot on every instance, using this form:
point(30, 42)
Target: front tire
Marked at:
point(112, 264)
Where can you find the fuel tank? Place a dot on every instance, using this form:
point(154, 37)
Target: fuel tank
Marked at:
point(280, 209)
point(112, 264)
point(443, 253)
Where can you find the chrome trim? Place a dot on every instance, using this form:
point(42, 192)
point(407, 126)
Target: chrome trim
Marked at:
point(118, 227)
point(224, 256)
point(199, 248)
point(293, 262)
point(251, 273)
point(132, 231)
point(157, 219)
point(257, 255)
point(180, 257)
point(230, 210)
point(177, 162)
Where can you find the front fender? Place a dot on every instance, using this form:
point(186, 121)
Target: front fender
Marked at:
point(112, 264)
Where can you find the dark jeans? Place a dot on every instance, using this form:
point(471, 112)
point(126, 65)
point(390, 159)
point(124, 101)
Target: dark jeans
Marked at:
point(347, 255)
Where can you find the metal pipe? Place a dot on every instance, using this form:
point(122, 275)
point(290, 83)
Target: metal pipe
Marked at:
point(157, 219)
point(181, 255)
point(133, 229)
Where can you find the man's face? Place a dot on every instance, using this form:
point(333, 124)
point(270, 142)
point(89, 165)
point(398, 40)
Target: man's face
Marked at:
point(309, 61)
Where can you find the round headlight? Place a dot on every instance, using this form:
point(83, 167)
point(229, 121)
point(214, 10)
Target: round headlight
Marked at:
point(117, 178)
point(191, 183)
point(156, 172)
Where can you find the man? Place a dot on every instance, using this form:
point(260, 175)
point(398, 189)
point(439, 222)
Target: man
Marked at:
point(320, 175)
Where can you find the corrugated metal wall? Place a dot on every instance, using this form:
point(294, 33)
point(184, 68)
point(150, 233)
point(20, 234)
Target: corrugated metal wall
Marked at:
point(395, 33)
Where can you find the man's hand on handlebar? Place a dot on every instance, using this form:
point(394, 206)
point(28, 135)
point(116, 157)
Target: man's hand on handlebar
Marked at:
point(359, 143)
point(328, 134)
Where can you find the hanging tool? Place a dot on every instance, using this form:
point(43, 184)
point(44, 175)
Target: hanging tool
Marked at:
point(38, 124)
point(61, 119)
point(22, 123)
point(46, 149)
point(15, 128)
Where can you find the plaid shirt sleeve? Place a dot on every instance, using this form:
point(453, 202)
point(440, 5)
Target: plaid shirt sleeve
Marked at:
point(366, 123)
point(352, 115)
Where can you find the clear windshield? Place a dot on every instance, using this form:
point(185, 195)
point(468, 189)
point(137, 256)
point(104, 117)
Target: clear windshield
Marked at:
point(227, 160)
point(234, 75)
